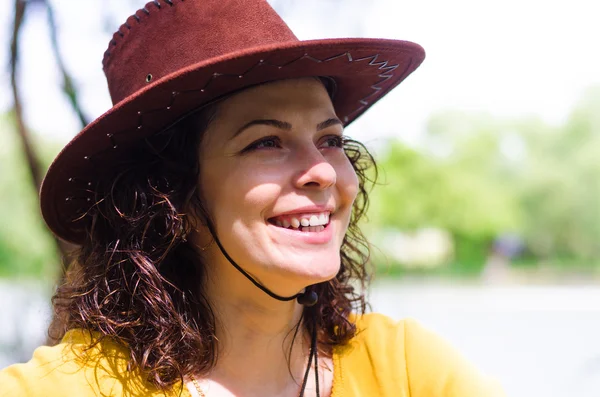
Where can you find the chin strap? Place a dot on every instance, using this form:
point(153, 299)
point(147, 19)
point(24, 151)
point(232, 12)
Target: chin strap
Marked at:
point(307, 298)
point(313, 354)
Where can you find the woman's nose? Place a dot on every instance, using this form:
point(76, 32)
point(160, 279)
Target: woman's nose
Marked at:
point(315, 171)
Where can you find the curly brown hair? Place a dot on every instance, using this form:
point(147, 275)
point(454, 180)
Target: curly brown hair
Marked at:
point(136, 279)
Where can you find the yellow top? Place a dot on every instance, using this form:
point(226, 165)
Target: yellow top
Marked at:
point(386, 358)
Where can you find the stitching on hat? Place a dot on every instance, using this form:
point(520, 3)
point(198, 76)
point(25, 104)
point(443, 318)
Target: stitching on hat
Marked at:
point(84, 188)
point(309, 57)
point(376, 87)
point(385, 75)
point(113, 143)
point(145, 10)
point(79, 180)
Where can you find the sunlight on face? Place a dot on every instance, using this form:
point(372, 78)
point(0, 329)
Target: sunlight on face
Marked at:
point(277, 182)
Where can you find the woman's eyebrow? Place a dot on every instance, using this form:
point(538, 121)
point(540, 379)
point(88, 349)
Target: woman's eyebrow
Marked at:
point(283, 125)
point(328, 123)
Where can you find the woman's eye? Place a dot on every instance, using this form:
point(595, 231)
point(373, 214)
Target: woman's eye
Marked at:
point(334, 141)
point(264, 143)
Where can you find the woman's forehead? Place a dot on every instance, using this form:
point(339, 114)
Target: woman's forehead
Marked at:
point(294, 95)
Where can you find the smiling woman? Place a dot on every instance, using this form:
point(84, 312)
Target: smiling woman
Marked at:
point(216, 207)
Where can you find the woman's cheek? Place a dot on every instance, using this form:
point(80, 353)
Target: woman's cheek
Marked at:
point(348, 181)
point(255, 188)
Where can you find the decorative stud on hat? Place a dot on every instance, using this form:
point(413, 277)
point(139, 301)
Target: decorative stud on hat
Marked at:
point(174, 56)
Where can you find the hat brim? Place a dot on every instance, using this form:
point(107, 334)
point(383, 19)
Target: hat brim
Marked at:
point(364, 71)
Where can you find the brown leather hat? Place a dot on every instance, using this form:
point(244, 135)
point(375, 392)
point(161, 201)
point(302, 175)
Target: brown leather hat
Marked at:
point(174, 56)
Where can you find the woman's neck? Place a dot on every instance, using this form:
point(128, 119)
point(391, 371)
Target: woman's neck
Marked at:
point(248, 329)
point(257, 347)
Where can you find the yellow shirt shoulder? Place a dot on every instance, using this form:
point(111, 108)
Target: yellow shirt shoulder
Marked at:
point(71, 368)
point(403, 359)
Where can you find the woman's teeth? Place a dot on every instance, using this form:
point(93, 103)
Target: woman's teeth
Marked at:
point(313, 228)
point(306, 223)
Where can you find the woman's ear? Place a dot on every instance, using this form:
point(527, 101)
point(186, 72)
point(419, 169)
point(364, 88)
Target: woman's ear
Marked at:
point(196, 220)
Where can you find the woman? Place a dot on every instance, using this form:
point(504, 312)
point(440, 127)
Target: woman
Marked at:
point(216, 206)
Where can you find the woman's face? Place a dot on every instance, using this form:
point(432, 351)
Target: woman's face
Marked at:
point(276, 181)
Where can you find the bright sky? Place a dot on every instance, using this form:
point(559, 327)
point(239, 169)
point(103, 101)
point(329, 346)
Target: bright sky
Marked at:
point(509, 58)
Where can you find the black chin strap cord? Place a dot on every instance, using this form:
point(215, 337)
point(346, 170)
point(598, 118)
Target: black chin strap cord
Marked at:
point(307, 298)
point(312, 355)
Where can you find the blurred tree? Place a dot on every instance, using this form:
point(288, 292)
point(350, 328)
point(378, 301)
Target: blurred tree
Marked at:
point(479, 177)
point(36, 170)
point(559, 187)
point(20, 7)
point(421, 190)
point(26, 248)
point(19, 234)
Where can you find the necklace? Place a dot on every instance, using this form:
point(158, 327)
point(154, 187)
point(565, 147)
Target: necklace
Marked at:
point(312, 355)
point(197, 386)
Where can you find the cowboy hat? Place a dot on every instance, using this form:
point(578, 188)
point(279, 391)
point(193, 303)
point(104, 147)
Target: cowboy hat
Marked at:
point(174, 56)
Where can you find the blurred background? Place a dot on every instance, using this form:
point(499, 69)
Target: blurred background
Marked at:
point(486, 220)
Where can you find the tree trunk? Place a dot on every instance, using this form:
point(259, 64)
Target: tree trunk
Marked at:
point(32, 159)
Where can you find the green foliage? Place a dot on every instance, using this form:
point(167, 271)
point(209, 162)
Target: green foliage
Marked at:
point(26, 247)
point(560, 188)
point(453, 192)
point(457, 190)
point(479, 177)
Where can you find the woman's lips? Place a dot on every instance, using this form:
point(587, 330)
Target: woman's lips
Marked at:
point(307, 234)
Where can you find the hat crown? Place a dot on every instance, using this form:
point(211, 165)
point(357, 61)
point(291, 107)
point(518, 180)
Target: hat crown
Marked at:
point(168, 35)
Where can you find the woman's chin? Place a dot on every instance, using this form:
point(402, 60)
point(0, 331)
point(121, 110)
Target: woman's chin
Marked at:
point(313, 269)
